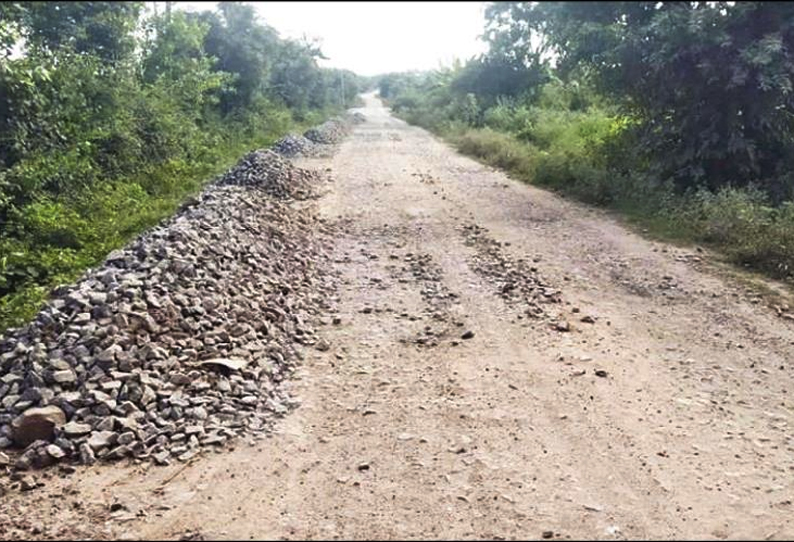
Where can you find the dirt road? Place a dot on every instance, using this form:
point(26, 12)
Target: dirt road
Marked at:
point(664, 414)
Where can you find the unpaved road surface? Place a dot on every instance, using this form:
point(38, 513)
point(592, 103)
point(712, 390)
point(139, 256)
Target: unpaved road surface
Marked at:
point(406, 430)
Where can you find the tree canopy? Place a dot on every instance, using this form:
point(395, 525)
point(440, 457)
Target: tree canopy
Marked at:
point(711, 82)
point(107, 106)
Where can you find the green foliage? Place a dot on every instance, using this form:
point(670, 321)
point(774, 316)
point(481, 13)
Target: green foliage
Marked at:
point(101, 29)
point(241, 46)
point(110, 118)
point(498, 150)
point(395, 84)
point(710, 82)
point(492, 77)
point(549, 150)
point(740, 222)
point(677, 114)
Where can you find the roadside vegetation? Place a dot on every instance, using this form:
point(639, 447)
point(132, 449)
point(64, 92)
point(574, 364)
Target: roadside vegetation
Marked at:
point(678, 115)
point(111, 115)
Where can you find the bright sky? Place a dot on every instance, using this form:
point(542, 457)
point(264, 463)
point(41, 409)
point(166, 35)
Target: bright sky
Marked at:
point(370, 38)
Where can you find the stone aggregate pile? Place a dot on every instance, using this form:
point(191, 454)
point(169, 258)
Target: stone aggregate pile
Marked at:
point(331, 131)
point(179, 341)
point(293, 145)
point(320, 140)
point(270, 172)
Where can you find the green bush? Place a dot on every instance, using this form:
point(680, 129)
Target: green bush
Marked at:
point(108, 122)
point(690, 148)
point(746, 226)
point(501, 117)
point(498, 150)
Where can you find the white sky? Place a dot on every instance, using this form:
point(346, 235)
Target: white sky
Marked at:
point(370, 38)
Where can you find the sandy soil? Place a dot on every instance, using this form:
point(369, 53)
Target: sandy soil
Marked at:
point(406, 430)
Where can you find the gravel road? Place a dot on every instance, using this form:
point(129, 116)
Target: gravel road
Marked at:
point(503, 363)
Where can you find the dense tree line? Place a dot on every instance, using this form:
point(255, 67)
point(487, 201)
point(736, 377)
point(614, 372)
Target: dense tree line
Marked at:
point(111, 113)
point(681, 113)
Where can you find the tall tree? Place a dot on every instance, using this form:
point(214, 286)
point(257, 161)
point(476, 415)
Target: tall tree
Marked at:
point(710, 81)
point(243, 47)
point(103, 29)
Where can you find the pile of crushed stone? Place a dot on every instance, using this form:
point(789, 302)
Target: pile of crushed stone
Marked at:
point(293, 145)
point(320, 140)
point(270, 172)
point(180, 341)
point(329, 132)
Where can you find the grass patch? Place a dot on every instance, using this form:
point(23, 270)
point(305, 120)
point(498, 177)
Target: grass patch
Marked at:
point(497, 150)
point(740, 224)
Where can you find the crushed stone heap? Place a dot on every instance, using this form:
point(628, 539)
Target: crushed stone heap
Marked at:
point(318, 141)
point(329, 132)
point(270, 172)
point(293, 145)
point(179, 341)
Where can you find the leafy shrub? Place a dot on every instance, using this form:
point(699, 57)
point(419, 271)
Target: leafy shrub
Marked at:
point(498, 150)
point(109, 119)
point(500, 117)
point(674, 113)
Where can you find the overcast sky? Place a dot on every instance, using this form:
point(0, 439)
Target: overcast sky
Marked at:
point(378, 37)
